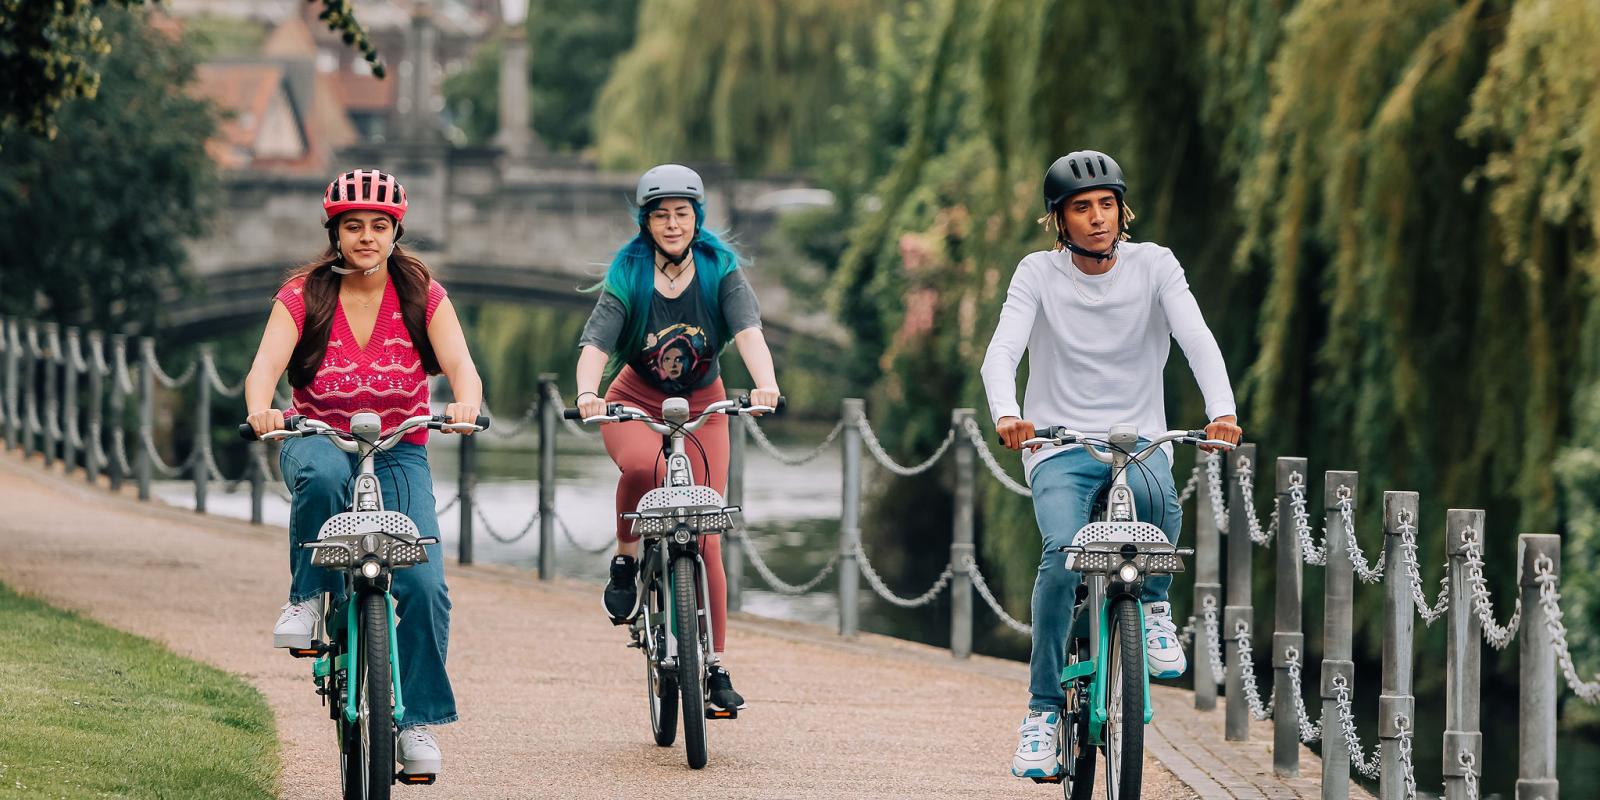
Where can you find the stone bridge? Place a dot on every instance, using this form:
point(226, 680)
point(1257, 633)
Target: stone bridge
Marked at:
point(493, 228)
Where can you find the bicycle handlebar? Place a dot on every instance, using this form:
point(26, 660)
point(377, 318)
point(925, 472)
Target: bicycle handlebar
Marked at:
point(1060, 436)
point(618, 412)
point(296, 426)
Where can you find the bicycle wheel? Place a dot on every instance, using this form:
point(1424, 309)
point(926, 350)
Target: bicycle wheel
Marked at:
point(691, 673)
point(661, 686)
point(375, 700)
point(1124, 748)
point(1077, 753)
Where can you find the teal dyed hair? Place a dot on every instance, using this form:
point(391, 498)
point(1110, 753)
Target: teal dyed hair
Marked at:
point(631, 279)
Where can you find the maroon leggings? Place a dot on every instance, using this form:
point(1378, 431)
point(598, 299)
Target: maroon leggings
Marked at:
point(637, 452)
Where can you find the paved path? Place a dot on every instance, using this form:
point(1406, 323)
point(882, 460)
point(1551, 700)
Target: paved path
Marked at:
point(552, 703)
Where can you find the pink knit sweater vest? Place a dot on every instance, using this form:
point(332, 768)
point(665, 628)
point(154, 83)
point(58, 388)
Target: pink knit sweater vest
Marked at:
point(384, 377)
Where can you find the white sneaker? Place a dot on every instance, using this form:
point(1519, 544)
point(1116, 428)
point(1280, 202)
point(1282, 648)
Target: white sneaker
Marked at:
point(419, 751)
point(1039, 750)
point(296, 624)
point(1163, 653)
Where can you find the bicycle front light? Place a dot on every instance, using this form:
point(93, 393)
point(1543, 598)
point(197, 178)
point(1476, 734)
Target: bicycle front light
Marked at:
point(370, 568)
point(1128, 572)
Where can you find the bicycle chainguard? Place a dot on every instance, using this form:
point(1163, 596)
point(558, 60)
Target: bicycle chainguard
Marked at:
point(407, 779)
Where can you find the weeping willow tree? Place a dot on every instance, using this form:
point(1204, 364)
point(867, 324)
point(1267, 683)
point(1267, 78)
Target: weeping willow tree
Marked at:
point(744, 83)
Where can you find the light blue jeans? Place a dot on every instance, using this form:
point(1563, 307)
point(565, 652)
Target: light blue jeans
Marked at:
point(1064, 491)
point(319, 475)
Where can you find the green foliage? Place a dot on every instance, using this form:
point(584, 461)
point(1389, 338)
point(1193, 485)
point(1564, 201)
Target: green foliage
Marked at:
point(48, 52)
point(746, 83)
point(95, 218)
point(96, 712)
point(572, 46)
point(341, 19)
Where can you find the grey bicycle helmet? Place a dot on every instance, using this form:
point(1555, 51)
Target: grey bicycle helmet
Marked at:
point(670, 180)
point(1080, 171)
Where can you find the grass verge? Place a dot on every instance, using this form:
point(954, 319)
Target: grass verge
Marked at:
point(88, 711)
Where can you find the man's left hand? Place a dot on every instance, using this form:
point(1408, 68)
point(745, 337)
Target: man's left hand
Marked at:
point(1224, 429)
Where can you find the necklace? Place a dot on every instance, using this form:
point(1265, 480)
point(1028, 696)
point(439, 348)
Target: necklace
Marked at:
point(672, 280)
point(366, 302)
point(1078, 285)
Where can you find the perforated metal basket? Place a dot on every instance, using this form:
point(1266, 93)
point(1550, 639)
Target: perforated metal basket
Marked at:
point(701, 509)
point(1103, 542)
point(388, 535)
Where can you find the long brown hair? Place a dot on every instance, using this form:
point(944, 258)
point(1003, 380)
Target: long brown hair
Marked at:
point(321, 291)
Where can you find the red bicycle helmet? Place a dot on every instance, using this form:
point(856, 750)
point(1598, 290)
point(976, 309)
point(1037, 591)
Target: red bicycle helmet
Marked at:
point(365, 190)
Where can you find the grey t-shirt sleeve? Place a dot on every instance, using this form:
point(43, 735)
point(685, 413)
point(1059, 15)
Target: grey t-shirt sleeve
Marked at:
point(738, 300)
point(604, 328)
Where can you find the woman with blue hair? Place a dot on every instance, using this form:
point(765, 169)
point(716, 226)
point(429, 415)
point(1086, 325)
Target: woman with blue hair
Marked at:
point(672, 299)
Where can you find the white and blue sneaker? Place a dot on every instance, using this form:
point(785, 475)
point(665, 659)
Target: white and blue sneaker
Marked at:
point(1163, 653)
point(1039, 751)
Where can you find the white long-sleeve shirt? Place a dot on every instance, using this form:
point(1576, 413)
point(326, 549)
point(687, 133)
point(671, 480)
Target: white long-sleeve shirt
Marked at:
point(1097, 344)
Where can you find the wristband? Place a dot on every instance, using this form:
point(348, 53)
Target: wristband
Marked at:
point(581, 394)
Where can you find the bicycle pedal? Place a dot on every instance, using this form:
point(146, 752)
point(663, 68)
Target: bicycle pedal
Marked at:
point(721, 713)
point(317, 649)
point(425, 779)
point(1051, 779)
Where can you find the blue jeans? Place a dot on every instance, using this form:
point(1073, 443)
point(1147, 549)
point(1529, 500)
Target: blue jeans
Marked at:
point(319, 475)
point(1064, 492)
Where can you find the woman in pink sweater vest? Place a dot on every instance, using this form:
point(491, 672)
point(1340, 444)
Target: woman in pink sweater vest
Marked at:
point(360, 329)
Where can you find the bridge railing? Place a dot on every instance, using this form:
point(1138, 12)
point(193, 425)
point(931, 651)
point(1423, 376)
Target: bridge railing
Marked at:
point(66, 394)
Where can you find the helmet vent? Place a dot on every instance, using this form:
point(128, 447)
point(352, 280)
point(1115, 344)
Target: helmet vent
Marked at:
point(1103, 169)
point(1075, 172)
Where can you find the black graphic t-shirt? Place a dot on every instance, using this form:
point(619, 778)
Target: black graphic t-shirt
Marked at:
point(681, 344)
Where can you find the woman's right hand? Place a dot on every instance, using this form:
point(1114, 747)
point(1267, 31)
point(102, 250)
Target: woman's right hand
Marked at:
point(266, 421)
point(591, 404)
point(1014, 431)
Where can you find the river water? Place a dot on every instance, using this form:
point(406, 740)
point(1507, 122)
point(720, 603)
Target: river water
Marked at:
point(793, 519)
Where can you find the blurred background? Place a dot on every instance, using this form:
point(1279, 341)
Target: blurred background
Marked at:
point(1386, 208)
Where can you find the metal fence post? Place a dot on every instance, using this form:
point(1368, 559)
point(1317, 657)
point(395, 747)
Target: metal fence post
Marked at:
point(1536, 725)
point(465, 487)
point(962, 550)
point(119, 400)
point(93, 445)
point(142, 467)
point(1238, 610)
point(30, 390)
point(49, 358)
point(1463, 658)
point(1337, 604)
point(1207, 586)
point(202, 429)
point(1396, 700)
point(850, 519)
point(13, 348)
point(1286, 629)
point(549, 410)
point(258, 482)
point(72, 432)
point(732, 546)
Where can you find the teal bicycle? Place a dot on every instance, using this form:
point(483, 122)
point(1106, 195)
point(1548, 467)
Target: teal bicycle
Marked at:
point(1106, 683)
point(357, 662)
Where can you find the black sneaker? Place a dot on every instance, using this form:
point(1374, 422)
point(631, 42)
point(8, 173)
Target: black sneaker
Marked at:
point(620, 591)
point(723, 697)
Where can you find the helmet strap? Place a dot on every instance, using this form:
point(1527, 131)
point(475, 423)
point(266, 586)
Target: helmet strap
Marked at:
point(1110, 252)
point(348, 271)
point(1086, 253)
point(674, 260)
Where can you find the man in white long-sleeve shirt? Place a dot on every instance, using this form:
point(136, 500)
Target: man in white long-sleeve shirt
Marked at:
point(1096, 317)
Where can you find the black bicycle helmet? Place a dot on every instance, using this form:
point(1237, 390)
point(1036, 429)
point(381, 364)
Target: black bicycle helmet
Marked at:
point(1080, 171)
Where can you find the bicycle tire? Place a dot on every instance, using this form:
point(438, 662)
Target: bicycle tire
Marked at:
point(377, 696)
point(691, 673)
point(661, 686)
point(1124, 732)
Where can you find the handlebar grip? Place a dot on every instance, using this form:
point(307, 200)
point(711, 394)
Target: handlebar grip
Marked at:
point(483, 421)
point(571, 413)
point(291, 422)
point(247, 433)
